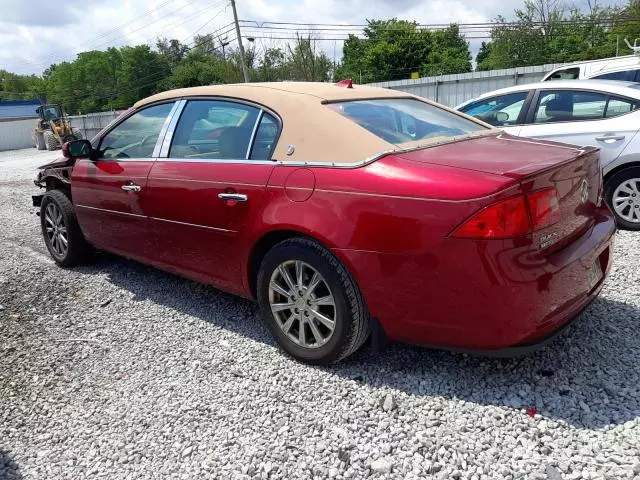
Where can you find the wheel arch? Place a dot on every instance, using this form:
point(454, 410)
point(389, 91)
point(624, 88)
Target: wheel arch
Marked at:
point(618, 169)
point(270, 239)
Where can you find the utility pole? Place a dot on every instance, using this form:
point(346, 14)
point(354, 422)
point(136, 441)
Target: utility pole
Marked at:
point(243, 62)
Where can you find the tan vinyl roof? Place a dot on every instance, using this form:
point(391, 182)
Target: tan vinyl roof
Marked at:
point(317, 133)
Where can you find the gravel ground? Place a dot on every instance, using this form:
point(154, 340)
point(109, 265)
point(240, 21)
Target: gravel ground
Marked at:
point(121, 371)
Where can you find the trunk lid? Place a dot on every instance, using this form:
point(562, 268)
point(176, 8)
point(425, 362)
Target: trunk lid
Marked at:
point(573, 171)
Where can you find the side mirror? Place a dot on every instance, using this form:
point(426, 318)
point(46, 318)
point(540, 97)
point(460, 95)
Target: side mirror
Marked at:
point(502, 117)
point(77, 149)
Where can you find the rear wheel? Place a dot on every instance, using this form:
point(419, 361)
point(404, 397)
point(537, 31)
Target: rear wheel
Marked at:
point(40, 144)
point(61, 231)
point(310, 302)
point(622, 193)
point(50, 140)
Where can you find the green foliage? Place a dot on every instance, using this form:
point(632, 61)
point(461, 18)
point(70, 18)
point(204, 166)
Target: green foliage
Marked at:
point(546, 32)
point(393, 49)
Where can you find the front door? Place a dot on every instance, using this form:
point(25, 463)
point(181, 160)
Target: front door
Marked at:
point(209, 189)
point(583, 118)
point(110, 191)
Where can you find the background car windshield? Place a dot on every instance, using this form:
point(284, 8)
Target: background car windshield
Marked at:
point(401, 120)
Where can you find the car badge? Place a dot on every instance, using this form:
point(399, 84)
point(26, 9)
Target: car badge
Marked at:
point(584, 191)
point(290, 149)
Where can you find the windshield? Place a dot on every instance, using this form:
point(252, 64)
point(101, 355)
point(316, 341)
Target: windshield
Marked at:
point(402, 120)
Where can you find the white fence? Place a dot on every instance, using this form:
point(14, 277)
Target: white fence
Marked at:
point(16, 133)
point(452, 90)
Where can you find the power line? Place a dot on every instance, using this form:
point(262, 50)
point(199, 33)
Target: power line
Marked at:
point(51, 57)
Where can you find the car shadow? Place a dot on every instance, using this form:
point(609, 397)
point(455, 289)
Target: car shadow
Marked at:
point(587, 377)
point(8, 468)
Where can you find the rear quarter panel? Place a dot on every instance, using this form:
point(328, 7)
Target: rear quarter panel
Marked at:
point(392, 205)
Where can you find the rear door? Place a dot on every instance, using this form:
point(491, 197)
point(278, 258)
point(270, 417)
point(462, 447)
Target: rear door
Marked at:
point(110, 193)
point(208, 188)
point(584, 118)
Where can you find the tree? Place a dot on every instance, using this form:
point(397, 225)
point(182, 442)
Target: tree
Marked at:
point(545, 32)
point(306, 62)
point(393, 49)
point(172, 50)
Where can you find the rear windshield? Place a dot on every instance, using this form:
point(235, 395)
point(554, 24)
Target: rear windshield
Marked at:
point(402, 120)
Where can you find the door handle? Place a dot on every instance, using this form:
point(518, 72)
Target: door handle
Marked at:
point(610, 138)
point(237, 197)
point(131, 187)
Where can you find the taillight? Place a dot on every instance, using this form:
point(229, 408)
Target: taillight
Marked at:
point(504, 219)
point(513, 217)
point(545, 210)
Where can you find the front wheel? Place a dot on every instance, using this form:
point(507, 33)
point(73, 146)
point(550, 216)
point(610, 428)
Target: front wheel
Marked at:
point(60, 229)
point(310, 302)
point(622, 193)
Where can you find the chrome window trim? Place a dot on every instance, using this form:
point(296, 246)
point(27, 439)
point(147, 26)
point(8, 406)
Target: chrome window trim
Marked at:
point(171, 128)
point(217, 160)
point(253, 134)
point(224, 230)
point(115, 212)
point(163, 130)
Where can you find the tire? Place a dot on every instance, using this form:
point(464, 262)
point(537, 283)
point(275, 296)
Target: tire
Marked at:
point(348, 311)
point(56, 211)
point(40, 145)
point(50, 140)
point(628, 211)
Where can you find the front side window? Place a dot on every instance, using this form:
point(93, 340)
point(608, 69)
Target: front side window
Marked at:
point(569, 106)
point(135, 137)
point(214, 129)
point(402, 120)
point(500, 111)
point(565, 74)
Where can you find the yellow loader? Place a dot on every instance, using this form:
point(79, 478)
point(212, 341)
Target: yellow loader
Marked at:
point(53, 128)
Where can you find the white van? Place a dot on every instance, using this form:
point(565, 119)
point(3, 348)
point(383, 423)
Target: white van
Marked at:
point(625, 68)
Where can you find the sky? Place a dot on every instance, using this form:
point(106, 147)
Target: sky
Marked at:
point(36, 33)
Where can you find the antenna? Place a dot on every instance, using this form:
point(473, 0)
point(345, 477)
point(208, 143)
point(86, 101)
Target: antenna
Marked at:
point(635, 47)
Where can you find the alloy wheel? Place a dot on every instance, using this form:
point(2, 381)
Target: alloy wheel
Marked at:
point(56, 230)
point(626, 200)
point(302, 303)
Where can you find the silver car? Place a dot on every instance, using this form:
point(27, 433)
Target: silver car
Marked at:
point(601, 113)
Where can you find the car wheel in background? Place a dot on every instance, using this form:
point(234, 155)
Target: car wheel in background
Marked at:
point(50, 140)
point(622, 194)
point(61, 231)
point(310, 302)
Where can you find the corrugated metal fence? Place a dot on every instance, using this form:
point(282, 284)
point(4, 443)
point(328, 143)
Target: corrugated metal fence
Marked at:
point(452, 90)
point(92, 123)
point(16, 133)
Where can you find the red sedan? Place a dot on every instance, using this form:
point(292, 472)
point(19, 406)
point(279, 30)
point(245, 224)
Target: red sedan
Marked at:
point(342, 210)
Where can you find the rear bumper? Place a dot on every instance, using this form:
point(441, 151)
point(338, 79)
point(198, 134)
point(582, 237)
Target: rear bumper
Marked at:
point(488, 295)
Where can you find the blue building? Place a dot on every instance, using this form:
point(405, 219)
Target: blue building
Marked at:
point(19, 108)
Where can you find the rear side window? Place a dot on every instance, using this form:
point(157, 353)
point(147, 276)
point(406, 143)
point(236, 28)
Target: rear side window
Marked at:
point(620, 106)
point(265, 138)
point(569, 106)
point(401, 120)
point(625, 76)
point(214, 129)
